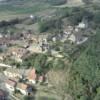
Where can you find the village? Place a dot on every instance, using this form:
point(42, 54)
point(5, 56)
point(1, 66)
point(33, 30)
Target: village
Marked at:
point(22, 44)
point(49, 49)
point(17, 47)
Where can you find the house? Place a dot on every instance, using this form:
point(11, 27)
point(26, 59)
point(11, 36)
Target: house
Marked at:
point(39, 44)
point(83, 24)
point(41, 79)
point(17, 53)
point(35, 48)
point(66, 33)
point(41, 38)
point(72, 38)
point(16, 73)
point(32, 76)
point(20, 43)
point(82, 40)
point(78, 38)
point(10, 85)
point(56, 54)
point(25, 89)
point(12, 73)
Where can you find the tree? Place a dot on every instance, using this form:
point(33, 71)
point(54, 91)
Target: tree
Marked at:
point(45, 25)
point(38, 61)
point(97, 97)
point(86, 70)
point(97, 17)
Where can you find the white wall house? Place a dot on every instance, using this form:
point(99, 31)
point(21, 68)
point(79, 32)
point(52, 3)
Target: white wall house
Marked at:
point(72, 38)
point(82, 25)
point(22, 91)
point(32, 81)
point(12, 73)
point(9, 87)
point(9, 74)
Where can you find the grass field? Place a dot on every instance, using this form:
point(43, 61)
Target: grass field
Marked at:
point(71, 3)
point(23, 8)
point(42, 95)
point(13, 10)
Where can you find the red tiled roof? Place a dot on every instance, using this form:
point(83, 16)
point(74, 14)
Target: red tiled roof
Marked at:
point(11, 82)
point(32, 74)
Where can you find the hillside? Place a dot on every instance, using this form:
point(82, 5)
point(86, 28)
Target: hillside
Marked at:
point(22, 8)
point(74, 1)
point(12, 9)
point(59, 40)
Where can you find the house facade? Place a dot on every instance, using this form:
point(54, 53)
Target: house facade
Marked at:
point(24, 88)
point(32, 76)
point(10, 85)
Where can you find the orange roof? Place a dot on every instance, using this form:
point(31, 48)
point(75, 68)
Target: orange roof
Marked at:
point(22, 86)
point(11, 82)
point(32, 74)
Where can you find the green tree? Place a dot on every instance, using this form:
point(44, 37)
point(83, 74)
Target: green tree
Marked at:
point(86, 70)
point(45, 25)
point(97, 17)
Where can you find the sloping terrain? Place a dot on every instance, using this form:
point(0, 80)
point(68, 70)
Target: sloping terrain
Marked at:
point(12, 8)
